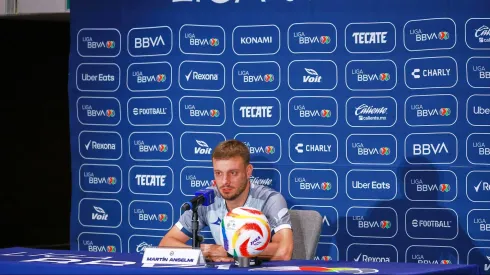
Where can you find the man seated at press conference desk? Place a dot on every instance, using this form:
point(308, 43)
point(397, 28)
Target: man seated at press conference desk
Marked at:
point(232, 170)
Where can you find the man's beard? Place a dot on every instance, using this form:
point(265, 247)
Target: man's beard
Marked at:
point(235, 195)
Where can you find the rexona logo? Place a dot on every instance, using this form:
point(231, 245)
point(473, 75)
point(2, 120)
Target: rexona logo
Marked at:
point(263, 147)
point(150, 215)
point(429, 34)
point(100, 145)
point(313, 184)
point(202, 75)
point(256, 76)
point(151, 41)
point(373, 222)
point(312, 38)
point(477, 33)
point(256, 40)
point(370, 253)
point(431, 185)
point(478, 148)
point(432, 255)
point(370, 37)
point(433, 148)
point(146, 146)
point(431, 223)
point(100, 213)
point(479, 224)
point(431, 110)
point(98, 42)
point(478, 186)
point(371, 149)
point(256, 111)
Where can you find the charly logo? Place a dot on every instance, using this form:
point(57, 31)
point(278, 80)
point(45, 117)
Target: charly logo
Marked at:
point(100, 178)
point(98, 42)
point(431, 185)
point(478, 148)
point(150, 215)
point(312, 75)
point(313, 148)
point(422, 254)
point(370, 37)
point(371, 149)
point(202, 111)
point(431, 110)
point(371, 75)
point(256, 76)
point(477, 33)
point(371, 184)
point(256, 40)
point(151, 146)
point(151, 180)
point(150, 41)
point(372, 253)
point(98, 77)
point(312, 38)
point(433, 148)
point(99, 111)
point(256, 111)
point(312, 111)
point(202, 75)
point(429, 34)
point(431, 72)
point(320, 184)
point(203, 144)
point(373, 222)
point(193, 178)
point(100, 213)
point(477, 72)
point(99, 242)
point(431, 223)
point(202, 39)
point(263, 147)
point(371, 111)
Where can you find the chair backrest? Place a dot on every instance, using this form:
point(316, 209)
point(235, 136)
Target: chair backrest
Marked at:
point(307, 226)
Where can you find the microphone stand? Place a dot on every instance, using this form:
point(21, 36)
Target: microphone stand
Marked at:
point(196, 238)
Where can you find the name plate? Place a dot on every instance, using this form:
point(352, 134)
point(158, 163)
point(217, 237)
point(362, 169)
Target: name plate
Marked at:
point(172, 256)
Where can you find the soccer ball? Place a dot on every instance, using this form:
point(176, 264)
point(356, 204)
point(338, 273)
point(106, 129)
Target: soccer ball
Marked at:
point(245, 232)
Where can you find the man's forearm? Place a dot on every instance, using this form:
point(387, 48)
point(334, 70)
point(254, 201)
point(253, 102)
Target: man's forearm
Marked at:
point(275, 252)
point(171, 242)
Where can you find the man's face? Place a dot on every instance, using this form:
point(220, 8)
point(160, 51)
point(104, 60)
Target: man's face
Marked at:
point(231, 176)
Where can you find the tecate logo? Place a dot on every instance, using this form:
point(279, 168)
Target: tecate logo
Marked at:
point(370, 37)
point(256, 111)
point(150, 180)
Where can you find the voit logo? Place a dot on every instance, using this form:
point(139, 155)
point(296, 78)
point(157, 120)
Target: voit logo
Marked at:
point(311, 76)
point(99, 214)
point(91, 247)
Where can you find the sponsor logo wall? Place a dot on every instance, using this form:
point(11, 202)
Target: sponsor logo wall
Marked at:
point(380, 123)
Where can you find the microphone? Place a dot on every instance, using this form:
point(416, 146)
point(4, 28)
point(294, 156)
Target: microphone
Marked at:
point(203, 197)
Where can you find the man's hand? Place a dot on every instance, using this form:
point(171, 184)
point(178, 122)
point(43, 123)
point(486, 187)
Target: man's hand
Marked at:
point(215, 253)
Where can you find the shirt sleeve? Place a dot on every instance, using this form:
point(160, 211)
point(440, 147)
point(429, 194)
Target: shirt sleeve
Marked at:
point(276, 211)
point(185, 221)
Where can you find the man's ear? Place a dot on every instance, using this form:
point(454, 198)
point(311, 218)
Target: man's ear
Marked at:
point(249, 170)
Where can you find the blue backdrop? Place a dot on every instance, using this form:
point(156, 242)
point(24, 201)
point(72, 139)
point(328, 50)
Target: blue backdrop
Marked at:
point(374, 113)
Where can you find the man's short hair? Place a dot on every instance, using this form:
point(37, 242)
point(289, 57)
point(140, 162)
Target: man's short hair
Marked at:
point(231, 148)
